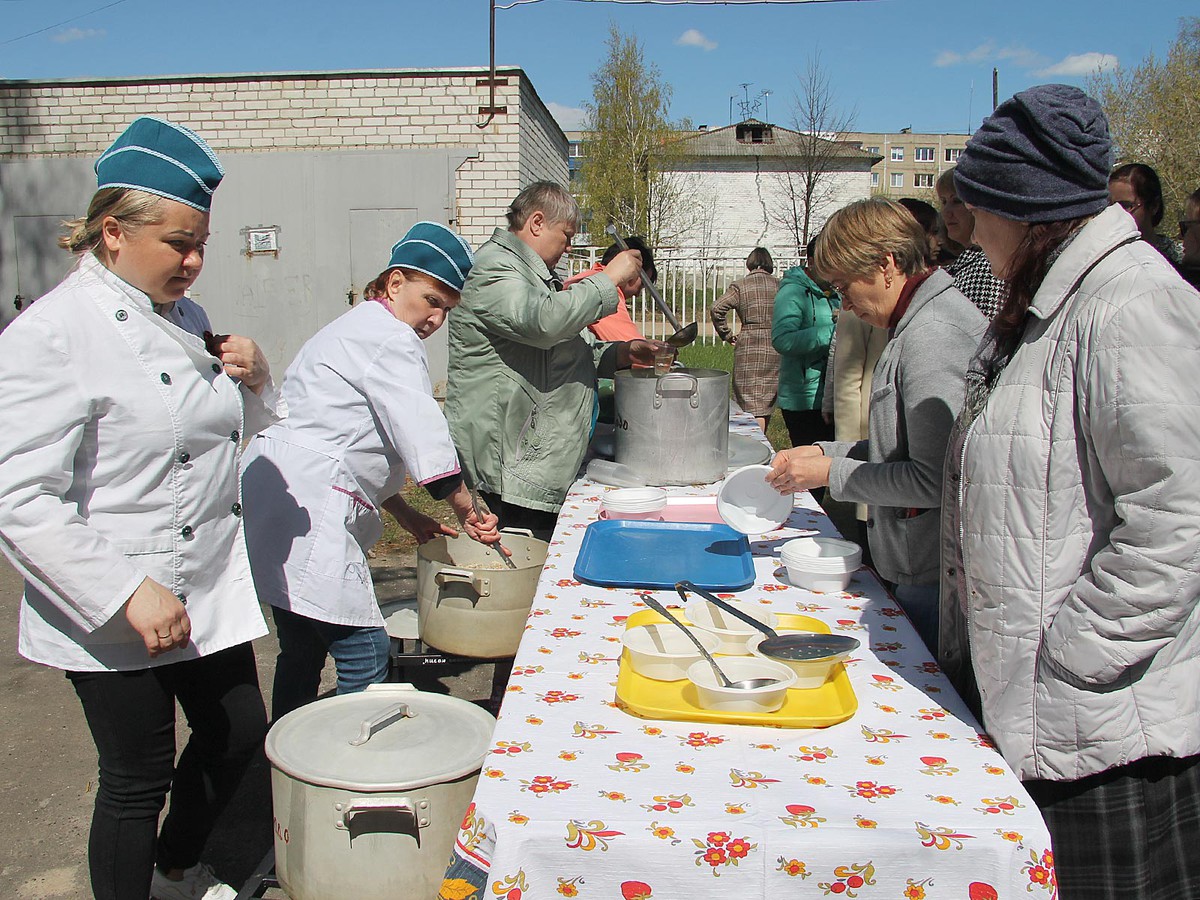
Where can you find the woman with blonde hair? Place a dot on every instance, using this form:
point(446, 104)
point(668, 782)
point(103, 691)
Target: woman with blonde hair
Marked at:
point(120, 505)
point(874, 253)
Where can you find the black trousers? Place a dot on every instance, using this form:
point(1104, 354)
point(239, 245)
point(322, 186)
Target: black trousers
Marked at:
point(538, 521)
point(132, 719)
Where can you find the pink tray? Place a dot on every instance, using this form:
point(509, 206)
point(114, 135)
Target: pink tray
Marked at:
point(688, 509)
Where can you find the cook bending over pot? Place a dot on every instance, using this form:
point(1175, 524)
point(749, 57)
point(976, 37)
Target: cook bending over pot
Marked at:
point(119, 505)
point(361, 416)
point(874, 252)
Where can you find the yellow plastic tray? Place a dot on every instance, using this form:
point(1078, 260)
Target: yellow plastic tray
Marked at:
point(829, 704)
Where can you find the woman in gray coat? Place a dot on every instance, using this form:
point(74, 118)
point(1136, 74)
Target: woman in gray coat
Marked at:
point(874, 254)
point(1072, 531)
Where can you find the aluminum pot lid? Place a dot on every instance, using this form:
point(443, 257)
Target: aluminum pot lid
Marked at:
point(390, 737)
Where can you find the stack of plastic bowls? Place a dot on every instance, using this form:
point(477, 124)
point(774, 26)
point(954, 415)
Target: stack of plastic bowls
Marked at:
point(634, 503)
point(820, 564)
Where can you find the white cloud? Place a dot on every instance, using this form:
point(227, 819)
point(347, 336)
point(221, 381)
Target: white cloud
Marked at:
point(694, 38)
point(78, 34)
point(569, 118)
point(987, 52)
point(978, 55)
point(1082, 64)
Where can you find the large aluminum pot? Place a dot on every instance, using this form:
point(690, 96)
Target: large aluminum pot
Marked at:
point(673, 428)
point(369, 790)
point(471, 603)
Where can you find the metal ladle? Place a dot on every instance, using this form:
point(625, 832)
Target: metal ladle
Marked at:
point(683, 335)
point(501, 552)
point(796, 646)
point(747, 684)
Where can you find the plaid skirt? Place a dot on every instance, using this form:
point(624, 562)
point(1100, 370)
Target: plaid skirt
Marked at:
point(1131, 833)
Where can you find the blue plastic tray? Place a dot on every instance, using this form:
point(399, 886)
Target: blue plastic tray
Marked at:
point(636, 553)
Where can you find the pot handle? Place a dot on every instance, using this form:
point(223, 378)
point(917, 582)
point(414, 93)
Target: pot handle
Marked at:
point(480, 585)
point(663, 384)
point(369, 727)
point(413, 816)
point(524, 532)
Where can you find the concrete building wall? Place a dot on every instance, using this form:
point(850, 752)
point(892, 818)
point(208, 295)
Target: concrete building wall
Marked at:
point(913, 174)
point(746, 199)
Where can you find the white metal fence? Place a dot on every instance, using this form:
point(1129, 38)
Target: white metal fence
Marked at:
point(690, 279)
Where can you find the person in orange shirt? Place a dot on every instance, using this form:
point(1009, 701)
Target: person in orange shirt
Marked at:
point(619, 326)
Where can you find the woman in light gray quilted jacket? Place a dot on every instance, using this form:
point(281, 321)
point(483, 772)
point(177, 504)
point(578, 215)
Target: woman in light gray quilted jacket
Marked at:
point(1072, 523)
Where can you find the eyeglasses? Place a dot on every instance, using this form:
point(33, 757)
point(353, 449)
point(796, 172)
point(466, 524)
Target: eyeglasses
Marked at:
point(1127, 205)
point(1185, 224)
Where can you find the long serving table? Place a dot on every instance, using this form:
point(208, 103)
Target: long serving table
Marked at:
point(577, 798)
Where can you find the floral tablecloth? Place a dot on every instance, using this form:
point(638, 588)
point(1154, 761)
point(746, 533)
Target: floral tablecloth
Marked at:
point(577, 798)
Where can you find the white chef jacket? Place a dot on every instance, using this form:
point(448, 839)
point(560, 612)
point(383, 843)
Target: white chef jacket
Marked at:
point(118, 461)
point(360, 409)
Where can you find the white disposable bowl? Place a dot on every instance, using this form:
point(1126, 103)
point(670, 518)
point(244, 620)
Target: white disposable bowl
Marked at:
point(820, 554)
point(662, 652)
point(732, 631)
point(710, 694)
point(634, 503)
point(810, 673)
point(747, 502)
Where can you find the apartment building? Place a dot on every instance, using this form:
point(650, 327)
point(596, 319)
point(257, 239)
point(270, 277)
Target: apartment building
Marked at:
point(910, 163)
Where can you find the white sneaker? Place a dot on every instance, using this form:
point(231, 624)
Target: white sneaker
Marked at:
point(198, 883)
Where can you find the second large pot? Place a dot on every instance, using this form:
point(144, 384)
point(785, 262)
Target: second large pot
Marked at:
point(673, 428)
point(468, 601)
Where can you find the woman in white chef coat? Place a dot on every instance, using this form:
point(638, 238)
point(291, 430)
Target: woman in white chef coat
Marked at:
point(361, 415)
point(119, 503)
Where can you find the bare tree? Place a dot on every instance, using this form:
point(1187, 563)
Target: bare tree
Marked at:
point(808, 187)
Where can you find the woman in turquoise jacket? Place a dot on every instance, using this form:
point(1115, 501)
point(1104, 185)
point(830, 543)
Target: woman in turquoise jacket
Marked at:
point(801, 329)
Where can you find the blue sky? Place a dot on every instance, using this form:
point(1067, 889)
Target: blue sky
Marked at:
point(894, 62)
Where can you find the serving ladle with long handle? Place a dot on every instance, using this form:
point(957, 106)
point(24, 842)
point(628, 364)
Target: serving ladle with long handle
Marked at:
point(747, 684)
point(683, 335)
point(795, 646)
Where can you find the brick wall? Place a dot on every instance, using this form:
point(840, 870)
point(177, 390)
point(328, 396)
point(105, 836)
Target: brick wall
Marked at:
point(310, 111)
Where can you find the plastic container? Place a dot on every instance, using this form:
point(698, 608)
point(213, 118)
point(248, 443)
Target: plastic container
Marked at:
point(662, 652)
point(605, 471)
point(749, 504)
point(733, 632)
point(810, 673)
point(711, 694)
point(821, 564)
point(634, 503)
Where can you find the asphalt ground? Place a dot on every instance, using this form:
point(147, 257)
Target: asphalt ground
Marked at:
point(48, 773)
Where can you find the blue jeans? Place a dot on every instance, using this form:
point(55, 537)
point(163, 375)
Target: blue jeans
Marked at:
point(920, 604)
point(360, 653)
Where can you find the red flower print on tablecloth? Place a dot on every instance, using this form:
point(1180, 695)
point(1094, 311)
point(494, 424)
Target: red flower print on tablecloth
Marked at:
point(614, 795)
point(875, 760)
point(885, 683)
point(994, 770)
point(893, 664)
point(802, 816)
point(931, 715)
point(1041, 873)
point(513, 887)
point(885, 708)
point(915, 890)
point(941, 837)
point(892, 612)
point(563, 633)
point(929, 667)
point(889, 647)
point(792, 867)
point(663, 832)
point(590, 732)
point(651, 730)
point(865, 823)
point(815, 754)
point(936, 765)
point(763, 747)
point(811, 607)
point(943, 799)
point(590, 603)
point(518, 818)
point(702, 739)
point(999, 806)
point(847, 624)
point(558, 697)
point(984, 741)
point(668, 803)
point(568, 755)
point(523, 671)
point(595, 659)
point(590, 836)
point(636, 890)
point(494, 774)
point(569, 888)
point(532, 720)
point(740, 779)
point(507, 748)
point(775, 586)
point(567, 583)
point(1013, 837)
point(941, 736)
point(849, 879)
point(981, 890)
point(629, 762)
point(815, 780)
point(720, 849)
point(872, 791)
point(685, 768)
point(881, 735)
point(737, 809)
point(546, 784)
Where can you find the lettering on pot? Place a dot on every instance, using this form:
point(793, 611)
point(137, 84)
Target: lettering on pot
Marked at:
point(618, 422)
point(281, 832)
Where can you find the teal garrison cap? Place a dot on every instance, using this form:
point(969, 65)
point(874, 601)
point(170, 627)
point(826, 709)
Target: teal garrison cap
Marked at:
point(162, 158)
point(435, 250)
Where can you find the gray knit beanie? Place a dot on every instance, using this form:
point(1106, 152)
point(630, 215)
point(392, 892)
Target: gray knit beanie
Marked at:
point(1042, 156)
